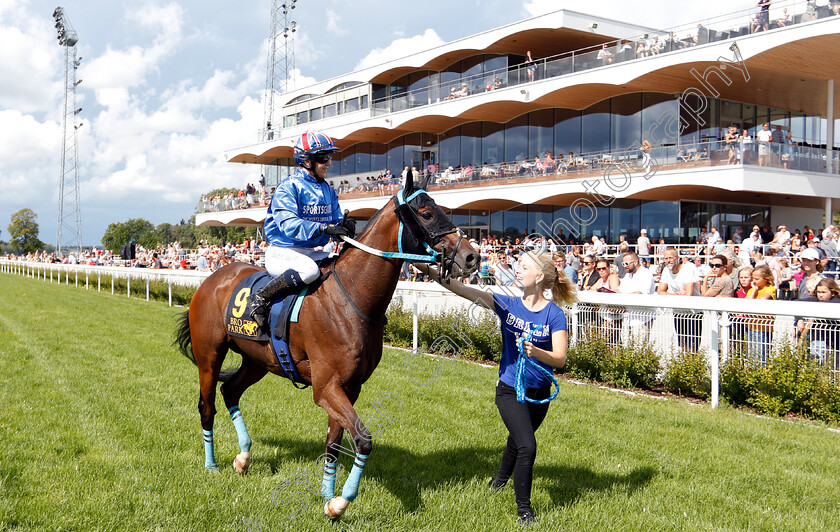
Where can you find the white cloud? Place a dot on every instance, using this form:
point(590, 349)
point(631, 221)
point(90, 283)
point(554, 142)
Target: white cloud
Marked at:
point(130, 67)
point(400, 48)
point(334, 25)
point(29, 61)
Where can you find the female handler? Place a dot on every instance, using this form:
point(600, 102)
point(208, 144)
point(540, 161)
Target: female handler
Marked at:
point(535, 274)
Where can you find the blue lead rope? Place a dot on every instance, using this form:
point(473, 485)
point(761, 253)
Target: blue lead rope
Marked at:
point(520, 369)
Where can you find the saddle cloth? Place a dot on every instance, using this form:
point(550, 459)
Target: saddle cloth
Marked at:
point(284, 311)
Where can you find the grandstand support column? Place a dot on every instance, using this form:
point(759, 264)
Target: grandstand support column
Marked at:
point(829, 131)
point(829, 212)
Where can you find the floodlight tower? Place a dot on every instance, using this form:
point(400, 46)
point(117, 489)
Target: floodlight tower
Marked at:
point(69, 216)
point(280, 67)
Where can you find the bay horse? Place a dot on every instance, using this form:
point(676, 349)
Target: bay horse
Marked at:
point(336, 343)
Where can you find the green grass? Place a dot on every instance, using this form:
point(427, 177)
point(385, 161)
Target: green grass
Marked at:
point(99, 431)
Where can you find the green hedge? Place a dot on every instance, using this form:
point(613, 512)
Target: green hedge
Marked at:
point(635, 365)
point(450, 332)
point(792, 382)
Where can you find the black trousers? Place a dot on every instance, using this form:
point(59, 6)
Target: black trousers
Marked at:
point(522, 421)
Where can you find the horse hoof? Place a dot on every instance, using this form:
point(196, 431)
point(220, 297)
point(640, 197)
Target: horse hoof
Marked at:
point(335, 507)
point(242, 462)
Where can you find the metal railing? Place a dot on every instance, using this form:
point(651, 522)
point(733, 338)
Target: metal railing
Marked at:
point(715, 29)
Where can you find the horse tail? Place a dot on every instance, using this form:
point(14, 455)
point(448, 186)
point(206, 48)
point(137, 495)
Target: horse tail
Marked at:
point(182, 336)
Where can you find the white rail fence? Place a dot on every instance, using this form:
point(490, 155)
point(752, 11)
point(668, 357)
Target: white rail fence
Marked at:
point(720, 327)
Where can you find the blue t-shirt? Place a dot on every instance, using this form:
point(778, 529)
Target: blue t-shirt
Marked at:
point(516, 319)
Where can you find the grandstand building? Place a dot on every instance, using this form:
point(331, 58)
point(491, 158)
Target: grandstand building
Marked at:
point(476, 113)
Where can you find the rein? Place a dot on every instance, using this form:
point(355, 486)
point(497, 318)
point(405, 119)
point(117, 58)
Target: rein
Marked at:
point(408, 219)
point(523, 359)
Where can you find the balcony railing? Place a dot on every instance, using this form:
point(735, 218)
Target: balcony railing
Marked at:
point(683, 156)
point(706, 31)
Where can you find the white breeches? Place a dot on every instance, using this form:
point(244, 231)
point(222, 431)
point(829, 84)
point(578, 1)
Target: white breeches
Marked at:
point(302, 260)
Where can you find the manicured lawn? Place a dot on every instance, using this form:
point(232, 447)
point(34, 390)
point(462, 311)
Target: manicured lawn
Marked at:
point(99, 431)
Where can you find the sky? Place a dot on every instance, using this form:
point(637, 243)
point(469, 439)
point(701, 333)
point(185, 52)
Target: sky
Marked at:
point(168, 86)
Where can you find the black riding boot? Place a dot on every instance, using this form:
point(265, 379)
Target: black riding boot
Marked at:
point(260, 300)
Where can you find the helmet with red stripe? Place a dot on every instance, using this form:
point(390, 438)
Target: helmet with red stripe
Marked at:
point(311, 142)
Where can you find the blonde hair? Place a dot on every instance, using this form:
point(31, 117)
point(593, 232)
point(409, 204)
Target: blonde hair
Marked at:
point(563, 290)
point(765, 272)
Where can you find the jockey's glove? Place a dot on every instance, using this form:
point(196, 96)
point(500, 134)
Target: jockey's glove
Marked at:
point(336, 230)
point(349, 224)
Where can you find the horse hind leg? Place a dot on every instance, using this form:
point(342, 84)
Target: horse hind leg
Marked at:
point(209, 356)
point(232, 390)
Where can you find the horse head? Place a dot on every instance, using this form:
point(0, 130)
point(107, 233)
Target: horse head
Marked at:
point(426, 229)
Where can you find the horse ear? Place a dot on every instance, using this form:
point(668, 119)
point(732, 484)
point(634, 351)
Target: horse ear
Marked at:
point(409, 184)
point(424, 182)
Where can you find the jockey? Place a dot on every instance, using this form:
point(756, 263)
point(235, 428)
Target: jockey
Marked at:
point(301, 217)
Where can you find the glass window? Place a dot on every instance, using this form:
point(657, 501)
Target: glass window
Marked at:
point(594, 220)
point(472, 69)
point(662, 220)
point(471, 144)
point(495, 68)
point(419, 88)
point(730, 114)
point(363, 101)
point(797, 126)
point(660, 118)
point(460, 217)
point(351, 105)
point(540, 218)
point(303, 117)
point(516, 223)
point(315, 114)
point(748, 118)
point(395, 157)
point(288, 120)
point(450, 148)
point(540, 132)
point(516, 139)
point(497, 223)
point(493, 143)
point(348, 160)
point(566, 131)
point(625, 217)
point(626, 120)
point(595, 128)
point(413, 143)
point(566, 227)
point(363, 157)
point(329, 110)
point(378, 157)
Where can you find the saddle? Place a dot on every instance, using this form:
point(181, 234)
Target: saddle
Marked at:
point(284, 310)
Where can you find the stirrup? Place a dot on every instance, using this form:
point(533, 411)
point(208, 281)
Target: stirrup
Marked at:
point(259, 310)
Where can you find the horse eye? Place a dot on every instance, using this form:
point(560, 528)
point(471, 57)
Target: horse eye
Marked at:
point(427, 215)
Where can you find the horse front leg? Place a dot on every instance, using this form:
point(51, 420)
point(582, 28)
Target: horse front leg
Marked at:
point(331, 450)
point(335, 401)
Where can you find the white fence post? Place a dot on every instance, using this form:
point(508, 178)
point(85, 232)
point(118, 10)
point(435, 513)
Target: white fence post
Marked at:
point(714, 353)
point(414, 325)
point(573, 334)
point(128, 285)
point(170, 292)
point(147, 288)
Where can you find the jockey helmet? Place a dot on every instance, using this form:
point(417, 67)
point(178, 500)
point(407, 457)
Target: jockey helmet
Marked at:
point(311, 142)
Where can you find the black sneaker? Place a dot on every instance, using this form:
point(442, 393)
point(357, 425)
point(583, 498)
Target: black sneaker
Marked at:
point(496, 486)
point(526, 518)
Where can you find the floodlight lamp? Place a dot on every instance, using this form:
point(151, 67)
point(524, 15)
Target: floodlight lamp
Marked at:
point(593, 26)
point(58, 12)
point(77, 82)
point(80, 125)
point(58, 24)
point(77, 111)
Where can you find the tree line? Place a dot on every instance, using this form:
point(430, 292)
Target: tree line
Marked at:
point(24, 233)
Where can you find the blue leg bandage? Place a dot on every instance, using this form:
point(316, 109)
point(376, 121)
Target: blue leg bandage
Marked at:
point(209, 451)
point(241, 431)
point(351, 487)
point(328, 484)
